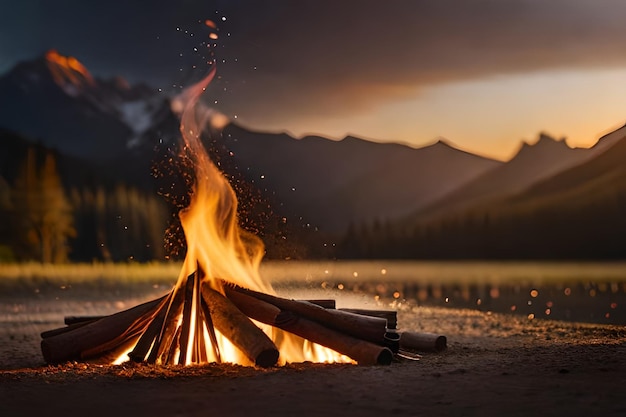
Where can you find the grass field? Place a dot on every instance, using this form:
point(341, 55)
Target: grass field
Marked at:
point(593, 292)
point(442, 272)
point(81, 273)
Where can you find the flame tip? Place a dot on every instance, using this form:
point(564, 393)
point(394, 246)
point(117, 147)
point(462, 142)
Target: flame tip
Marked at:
point(220, 253)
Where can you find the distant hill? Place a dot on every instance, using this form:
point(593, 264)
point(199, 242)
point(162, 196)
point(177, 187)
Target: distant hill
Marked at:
point(75, 172)
point(335, 183)
point(599, 182)
point(121, 130)
point(577, 213)
point(376, 199)
point(55, 100)
point(532, 163)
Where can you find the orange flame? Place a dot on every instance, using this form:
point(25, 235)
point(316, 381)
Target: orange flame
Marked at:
point(221, 249)
point(214, 239)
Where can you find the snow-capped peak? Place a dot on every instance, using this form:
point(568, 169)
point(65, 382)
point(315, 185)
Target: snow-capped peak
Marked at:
point(68, 73)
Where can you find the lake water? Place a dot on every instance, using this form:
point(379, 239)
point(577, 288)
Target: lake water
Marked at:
point(587, 292)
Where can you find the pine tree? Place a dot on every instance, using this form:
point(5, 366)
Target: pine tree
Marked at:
point(100, 203)
point(57, 222)
point(5, 195)
point(25, 199)
point(6, 253)
point(43, 214)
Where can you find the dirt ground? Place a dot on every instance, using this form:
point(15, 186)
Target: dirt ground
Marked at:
point(494, 365)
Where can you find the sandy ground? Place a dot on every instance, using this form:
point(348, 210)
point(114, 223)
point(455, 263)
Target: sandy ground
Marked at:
point(495, 365)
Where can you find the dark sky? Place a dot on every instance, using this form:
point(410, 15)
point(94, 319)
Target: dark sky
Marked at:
point(331, 66)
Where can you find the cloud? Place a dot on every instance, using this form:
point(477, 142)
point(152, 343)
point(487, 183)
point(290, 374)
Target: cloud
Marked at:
point(329, 56)
point(322, 58)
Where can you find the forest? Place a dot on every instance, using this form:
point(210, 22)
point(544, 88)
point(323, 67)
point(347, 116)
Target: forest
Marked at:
point(48, 222)
point(55, 210)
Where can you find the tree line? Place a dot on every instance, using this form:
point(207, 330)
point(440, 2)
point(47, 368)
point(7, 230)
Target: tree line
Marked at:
point(47, 221)
point(593, 231)
point(53, 219)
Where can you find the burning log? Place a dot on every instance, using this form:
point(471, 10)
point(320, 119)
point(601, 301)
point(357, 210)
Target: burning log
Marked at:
point(371, 329)
point(185, 327)
point(405, 341)
point(169, 354)
point(94, 337)
point(159, 331)
point(363, 352)
point(238, 328)
point(161, 350)
point(199, 353)
point(206, 315)
point(145, 342)
point(253, 307)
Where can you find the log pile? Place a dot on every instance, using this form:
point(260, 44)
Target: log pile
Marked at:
point(158, 332)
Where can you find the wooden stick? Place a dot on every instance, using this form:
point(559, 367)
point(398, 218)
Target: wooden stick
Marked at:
point(132, 333)
point(367, 328)
point(206, 314)
point(169, 330)
point(253, 307)
point(69, 345)
point(170, 324)
point(69, 320)
point(61, 330)
point(201, 354)
point(171, 352)
point(186, 324)
point(323, 303)
point(109, 357)
point(423, 342)
point(365, 353)
point(199, 345)
point(390, 315)
point(238, 328)
point(198, 353)
point(151, 333)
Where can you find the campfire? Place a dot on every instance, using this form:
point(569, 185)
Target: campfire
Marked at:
point(220, 309)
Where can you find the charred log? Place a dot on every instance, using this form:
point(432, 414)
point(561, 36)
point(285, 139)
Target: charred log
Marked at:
point(98, 336)
point(238, 328)
point(362, 327)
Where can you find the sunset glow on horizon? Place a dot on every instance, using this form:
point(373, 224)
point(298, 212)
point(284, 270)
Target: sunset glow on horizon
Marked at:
point(489, 117)
point(483, 75)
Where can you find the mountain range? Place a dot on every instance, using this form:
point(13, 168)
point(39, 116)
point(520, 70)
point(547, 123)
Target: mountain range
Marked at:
point(576, 213)
point(108, 131)
point(530, 165)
